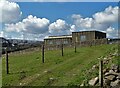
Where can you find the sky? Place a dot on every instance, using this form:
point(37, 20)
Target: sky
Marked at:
point(38, 20)
point(65, 0)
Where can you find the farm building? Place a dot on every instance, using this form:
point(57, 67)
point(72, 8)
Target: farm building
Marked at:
point(87, 36)
point(57, 40)
point(83, 36)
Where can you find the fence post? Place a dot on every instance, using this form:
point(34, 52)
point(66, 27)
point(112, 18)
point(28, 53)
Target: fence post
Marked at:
point(75, 47)
point(62, 49)
point(101, 73)
point(7, 64)
point(42, 53)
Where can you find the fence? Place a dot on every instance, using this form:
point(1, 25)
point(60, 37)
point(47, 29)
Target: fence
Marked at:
point(61, 47)
point(108, 65)
point(77, 44)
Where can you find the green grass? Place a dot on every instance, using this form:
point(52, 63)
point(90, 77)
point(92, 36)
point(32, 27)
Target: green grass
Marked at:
point(67, 70)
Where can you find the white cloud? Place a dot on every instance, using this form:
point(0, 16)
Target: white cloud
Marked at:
point(24, 36)
point(43, 0)
point(28, 36)
point(39, 28)
point(101, 21)
point(65, 0)
point(76, 16)
point(83, 22)
point(60, 27)
point(48, 0)
point(73, 28)
point(110, 15)
point(1, 34)
point(10, 11)
point(30, 25)
point(112, 32)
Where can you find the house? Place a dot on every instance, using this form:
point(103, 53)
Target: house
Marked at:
point(87, 36)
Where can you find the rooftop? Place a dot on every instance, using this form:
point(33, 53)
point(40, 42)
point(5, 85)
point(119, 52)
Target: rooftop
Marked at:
point(88, 31)
point(62, 36)
point(69, 36)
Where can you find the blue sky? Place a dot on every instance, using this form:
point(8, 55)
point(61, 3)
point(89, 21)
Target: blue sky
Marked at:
point(56, 10)
point(42, 19)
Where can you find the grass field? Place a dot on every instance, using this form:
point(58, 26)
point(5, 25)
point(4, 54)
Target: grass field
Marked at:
point(27, 69)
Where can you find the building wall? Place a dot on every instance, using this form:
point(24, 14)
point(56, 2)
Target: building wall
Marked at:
point(100, 35)
point(87, 36)
point(57, 41)
point(76, 37)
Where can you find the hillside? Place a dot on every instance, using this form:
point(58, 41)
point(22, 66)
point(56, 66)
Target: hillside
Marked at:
point(27, 69)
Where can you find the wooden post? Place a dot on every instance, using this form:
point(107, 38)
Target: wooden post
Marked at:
point(7, 66)
point(75, 47)
point(62, 49)
point(42, 53)
point(101, 73)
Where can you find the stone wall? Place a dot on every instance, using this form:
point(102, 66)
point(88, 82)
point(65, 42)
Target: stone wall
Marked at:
point(110, 72)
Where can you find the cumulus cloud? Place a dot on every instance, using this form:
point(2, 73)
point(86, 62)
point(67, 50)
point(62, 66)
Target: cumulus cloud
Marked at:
point(64, 0)
point(73, 28)
point(31, 24)
point(1, 34)
point(110, 15)
point(60, 27)
point(10, 11)
point(101, 21)
point(28, 36)
point(43, 0)
point(112, 32)
point(50, 0)
point(39, 28)
point(83, 23)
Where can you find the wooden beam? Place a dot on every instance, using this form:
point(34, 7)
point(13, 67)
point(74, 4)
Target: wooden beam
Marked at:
point(62, 49)
point(101, 73)
point(75, 47)
point(43, 54)
point(7, 62)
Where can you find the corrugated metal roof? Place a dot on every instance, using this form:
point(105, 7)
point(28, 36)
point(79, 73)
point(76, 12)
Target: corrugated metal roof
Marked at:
point(89, 31)
point(55, 37)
